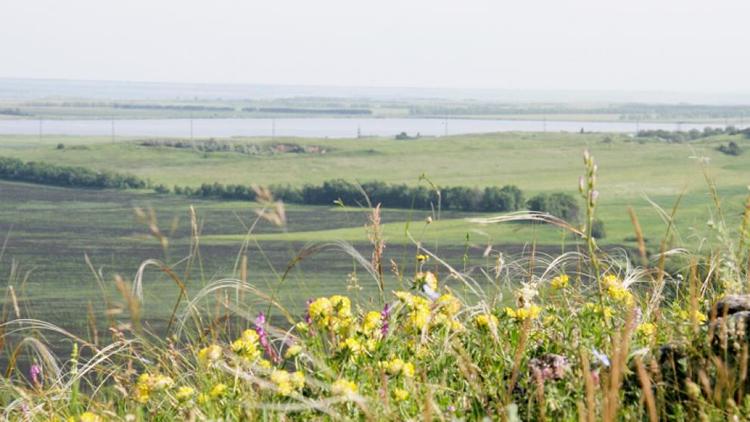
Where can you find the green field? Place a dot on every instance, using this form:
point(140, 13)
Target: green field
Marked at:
point(629, 171)
point(63, 248)
point(50, 229)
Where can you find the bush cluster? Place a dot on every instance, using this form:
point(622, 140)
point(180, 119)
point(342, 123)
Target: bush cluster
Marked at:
point(459, 198)
point(81, 177)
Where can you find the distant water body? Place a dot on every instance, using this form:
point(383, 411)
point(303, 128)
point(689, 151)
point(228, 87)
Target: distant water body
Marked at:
point(317, 127)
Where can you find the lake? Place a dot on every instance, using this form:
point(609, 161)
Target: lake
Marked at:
point(317, 127)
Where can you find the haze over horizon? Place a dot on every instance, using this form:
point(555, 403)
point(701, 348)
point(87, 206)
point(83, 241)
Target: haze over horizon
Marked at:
point(582, 45)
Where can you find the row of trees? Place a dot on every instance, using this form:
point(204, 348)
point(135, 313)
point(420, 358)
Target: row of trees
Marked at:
point(296, 110)
point(691, 135)
point(459, 198)
point(50, 174)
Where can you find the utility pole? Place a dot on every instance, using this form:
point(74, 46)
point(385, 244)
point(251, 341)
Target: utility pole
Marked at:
point(273, 128)
point(445, 123)
point(113, 129)
point(40, 129)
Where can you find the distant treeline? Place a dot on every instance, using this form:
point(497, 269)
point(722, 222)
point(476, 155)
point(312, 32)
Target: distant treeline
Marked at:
point(627, 112)
point(212, 145)
point(691, 135)
point(171, 107)
point(294, 110)
point(12, 112)
point(459, 198)
point(81, 177)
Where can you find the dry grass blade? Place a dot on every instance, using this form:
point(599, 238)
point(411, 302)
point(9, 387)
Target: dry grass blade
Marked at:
point(530, 216)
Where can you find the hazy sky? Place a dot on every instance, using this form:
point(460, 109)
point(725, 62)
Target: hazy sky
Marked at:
point(674, 45)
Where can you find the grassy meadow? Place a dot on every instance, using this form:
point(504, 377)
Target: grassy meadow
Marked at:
point(632, 173)
point(418, 315)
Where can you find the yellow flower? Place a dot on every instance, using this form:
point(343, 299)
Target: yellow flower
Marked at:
point(343, 387)
point(419, 317)
point(247, 345)
point(700, 317)
point(202, 398)
point(486, 321)
point(647, 329)
point(90, 417)
point(279, 376)
point(449, 304)
point(161, 382)
point(298, 379)
point(264, 363)
point(353, 345)
point(143, 388)
point(342, 306)
point(408, 370)
point(520, 314)
point(597, 309)
point(302, 327)
point(281, 379)
point(371, 344)
point(560, 282)
point(293, 351)
point(616, 290)
point(184, 393)
point(320, 311)
point(211, 353)
point(148, 383)
point(405, 297)
point(426, 278)
point(371, 322)
point(394, 366)
point(218, 391)
point(400, 394)
point(422, 258)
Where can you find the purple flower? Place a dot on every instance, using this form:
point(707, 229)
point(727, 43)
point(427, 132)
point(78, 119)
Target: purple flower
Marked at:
point(34, 372)
point(385, 316)
point(260, 321)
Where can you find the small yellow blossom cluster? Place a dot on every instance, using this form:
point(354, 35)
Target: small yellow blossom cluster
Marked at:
point(684, 315)
point(426, 279)
point(486, 322)
point(420, 315)
point(527, 312)
point(399, 394)
point(616, 290)
point(293, 351)
point(247, 346)
point(560, 282)
point(418, 310)
point(86, 417)
point(607, 312)
point(210, 354)
point(343, 387)
point(184, 394)
point(148, 384)
point(397, 366)
point(334, 313)
point(646, 329)
point(286, 382)
point(371, 324)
